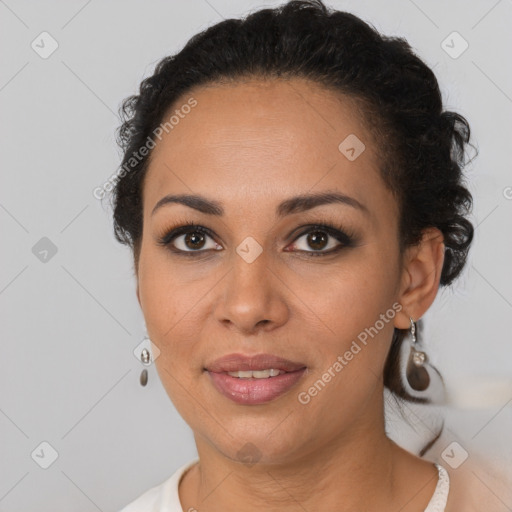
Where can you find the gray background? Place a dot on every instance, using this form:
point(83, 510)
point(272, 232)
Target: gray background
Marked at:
point(70, 324)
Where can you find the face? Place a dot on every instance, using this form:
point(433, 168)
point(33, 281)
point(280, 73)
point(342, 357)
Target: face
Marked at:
point(260, 277)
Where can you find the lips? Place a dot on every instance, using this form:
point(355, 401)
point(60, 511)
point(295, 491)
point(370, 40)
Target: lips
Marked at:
point(255, 391)
point(236, 362)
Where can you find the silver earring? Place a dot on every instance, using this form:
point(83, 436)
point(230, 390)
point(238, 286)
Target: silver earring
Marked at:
point(146, 352)
point(417, 374)
point(419, 358)
point(145, 357)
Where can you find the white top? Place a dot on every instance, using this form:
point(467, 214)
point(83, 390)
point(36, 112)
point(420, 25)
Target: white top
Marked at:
point(165, 498)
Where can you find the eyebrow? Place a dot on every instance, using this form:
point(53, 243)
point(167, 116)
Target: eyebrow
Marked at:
point(292, 205)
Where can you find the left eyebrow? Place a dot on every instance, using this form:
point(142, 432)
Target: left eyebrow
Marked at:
point(309, 201)
point(289, 206)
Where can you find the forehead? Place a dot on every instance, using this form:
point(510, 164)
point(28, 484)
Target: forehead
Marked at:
point(248, 138)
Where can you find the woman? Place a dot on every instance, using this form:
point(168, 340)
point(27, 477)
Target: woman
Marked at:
point(292, 191)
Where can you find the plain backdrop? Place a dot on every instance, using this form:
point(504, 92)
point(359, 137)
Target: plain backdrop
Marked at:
point(70, 396)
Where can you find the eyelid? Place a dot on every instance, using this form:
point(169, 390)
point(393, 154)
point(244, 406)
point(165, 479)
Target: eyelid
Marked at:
point(341, 236)
point(171, 234)
point(329, 227)
point(345, 237)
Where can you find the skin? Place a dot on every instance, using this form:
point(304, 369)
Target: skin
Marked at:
point(250, 145)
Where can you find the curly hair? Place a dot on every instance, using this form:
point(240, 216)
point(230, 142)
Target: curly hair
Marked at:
point(422, 147)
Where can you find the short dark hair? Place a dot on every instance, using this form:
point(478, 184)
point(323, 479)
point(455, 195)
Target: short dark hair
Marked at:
point(420, 145)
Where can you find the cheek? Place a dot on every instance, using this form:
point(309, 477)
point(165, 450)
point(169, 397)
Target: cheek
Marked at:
point(356, 291)
point(171, 301)
point(351, 346)
point(168, 313)
point(161, 305)
point(160, 288)
point(356, 308)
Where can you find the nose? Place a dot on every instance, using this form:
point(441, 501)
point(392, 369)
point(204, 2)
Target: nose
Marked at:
point(252, 297)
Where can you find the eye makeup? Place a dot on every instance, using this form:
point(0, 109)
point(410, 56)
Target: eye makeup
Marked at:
point(346, 238)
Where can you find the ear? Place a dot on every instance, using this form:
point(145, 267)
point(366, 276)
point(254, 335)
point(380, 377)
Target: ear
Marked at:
point(138, 294)
point(422, 266)
point(136, 273)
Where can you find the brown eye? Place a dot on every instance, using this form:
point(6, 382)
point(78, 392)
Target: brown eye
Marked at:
point(320, 240)
point(189, 239)
point(317, 240)
point(195, 239)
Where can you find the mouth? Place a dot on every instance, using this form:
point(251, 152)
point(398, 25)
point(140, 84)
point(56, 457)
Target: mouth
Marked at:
point(253, 380)
point(240, 363)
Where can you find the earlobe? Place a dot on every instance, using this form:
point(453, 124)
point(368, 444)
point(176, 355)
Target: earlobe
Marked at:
point(422, 272)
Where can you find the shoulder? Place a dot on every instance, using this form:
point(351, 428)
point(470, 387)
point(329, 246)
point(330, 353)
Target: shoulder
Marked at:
point(163, 497)
point(479, 485)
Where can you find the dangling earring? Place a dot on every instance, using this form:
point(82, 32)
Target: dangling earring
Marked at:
point(145, 357)
point(417, 374)
point(146, 352)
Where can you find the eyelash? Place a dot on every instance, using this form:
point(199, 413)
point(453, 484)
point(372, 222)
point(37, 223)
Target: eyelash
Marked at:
point(341, 234)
